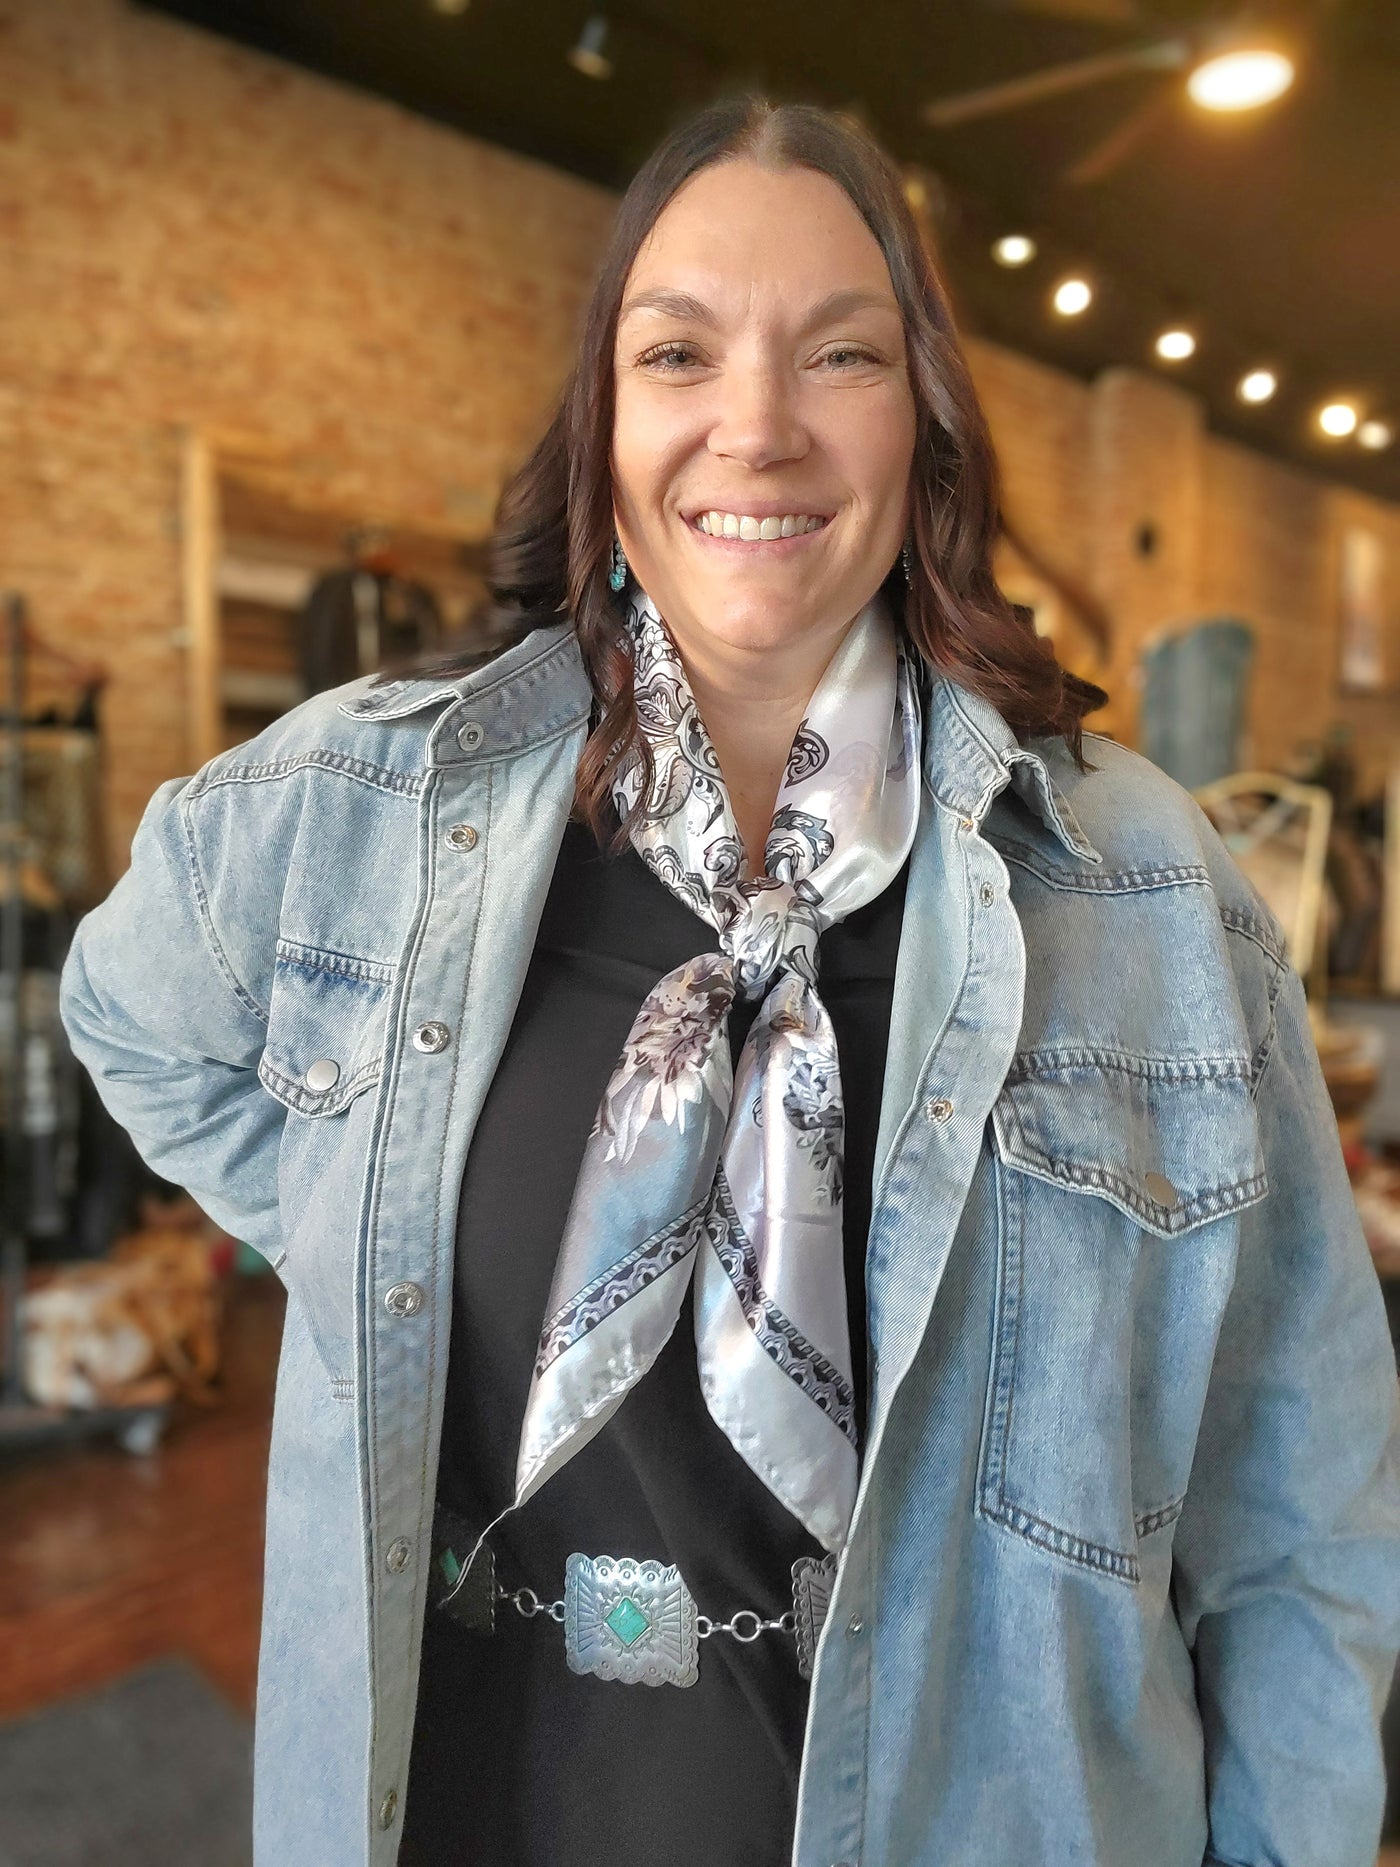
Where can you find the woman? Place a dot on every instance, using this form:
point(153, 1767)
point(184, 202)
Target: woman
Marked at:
point(867, 1161)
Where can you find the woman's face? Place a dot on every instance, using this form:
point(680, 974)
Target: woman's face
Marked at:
point(761, 382)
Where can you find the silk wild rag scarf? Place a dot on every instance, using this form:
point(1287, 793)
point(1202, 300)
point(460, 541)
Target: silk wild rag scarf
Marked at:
point(731, 1176)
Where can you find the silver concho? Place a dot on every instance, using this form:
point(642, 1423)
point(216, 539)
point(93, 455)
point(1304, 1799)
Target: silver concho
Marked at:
point(812, 1583)
point(630, 1621)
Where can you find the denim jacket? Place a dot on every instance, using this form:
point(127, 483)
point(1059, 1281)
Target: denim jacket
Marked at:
point(1121, 1585)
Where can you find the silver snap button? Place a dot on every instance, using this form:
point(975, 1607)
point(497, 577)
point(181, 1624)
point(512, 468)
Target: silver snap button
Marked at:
point(939, 1109)
point(461, 836)
point(1161, 1189)
point(398, 1555)
point(403, 1299)
point(855, 1627)
point(989, 894)
point(387, 1808)
point(470, 735)
point(323, 1074)
point(431, 1037)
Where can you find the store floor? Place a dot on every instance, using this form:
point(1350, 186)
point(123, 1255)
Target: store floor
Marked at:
point(115, 1561)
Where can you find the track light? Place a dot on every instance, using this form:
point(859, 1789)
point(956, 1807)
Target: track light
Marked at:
point(1014, 249)
point(1257, 386)
point(1072, 296)
point(1337, 420)
point(588, 54)
point(1241, 80)
point(1175, 346)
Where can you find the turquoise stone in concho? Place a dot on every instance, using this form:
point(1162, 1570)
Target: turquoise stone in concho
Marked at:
point(627, 1621)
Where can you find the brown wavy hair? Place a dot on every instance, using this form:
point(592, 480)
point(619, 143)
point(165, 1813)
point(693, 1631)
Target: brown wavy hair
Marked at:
point(550, 551)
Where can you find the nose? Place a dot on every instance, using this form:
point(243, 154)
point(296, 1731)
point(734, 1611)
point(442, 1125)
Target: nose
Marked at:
point(758, 422)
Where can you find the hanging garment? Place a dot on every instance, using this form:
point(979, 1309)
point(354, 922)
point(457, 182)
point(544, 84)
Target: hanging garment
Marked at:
point(357, 621)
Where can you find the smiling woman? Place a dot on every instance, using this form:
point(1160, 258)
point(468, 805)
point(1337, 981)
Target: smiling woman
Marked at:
point(769, 340)
point(792, 1183)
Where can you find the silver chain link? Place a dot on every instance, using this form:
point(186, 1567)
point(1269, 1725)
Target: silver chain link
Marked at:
point(754, 1625)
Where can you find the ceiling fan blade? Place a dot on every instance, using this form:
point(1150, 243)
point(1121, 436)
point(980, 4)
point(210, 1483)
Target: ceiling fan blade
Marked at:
point(1112, 150)
point(991, 99)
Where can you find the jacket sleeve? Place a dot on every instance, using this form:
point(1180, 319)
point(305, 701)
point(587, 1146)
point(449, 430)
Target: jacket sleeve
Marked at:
point(171, 1034)
point(1287, 1579)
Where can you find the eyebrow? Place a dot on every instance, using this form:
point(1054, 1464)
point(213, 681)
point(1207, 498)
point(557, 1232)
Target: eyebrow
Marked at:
point(685, 306)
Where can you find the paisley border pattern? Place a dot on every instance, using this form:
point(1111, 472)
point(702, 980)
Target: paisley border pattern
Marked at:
point(618, 1285)
point(820, 1379)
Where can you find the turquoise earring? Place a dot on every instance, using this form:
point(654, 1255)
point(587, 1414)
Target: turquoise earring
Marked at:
point(617, 576)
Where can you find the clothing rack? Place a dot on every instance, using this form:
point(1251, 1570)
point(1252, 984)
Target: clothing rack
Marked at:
point(22, 1423)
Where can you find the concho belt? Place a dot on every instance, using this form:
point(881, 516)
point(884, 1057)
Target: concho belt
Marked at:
point(626, 1619)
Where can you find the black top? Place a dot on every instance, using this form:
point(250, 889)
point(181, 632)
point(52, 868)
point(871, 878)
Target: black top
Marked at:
point(517, 1762)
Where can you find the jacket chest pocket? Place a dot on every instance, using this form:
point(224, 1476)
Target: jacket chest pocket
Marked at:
point(324, 1051)
point(1118, 1188)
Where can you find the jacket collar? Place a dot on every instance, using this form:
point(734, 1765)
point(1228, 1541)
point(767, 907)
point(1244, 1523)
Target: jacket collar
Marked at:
point(970, 754)
point(537, 689)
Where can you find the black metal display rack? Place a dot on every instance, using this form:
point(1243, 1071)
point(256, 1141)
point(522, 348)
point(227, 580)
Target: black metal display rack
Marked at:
point(22, 1422)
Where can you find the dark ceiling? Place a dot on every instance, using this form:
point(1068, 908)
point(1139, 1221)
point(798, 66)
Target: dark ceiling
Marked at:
point(1276, 233)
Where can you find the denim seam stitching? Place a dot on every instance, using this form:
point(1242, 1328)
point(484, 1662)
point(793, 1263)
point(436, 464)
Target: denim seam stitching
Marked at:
point(1249, 927)
point(1029, 1065)
point(1113, 881)
point(1006, 1331)
point(206, 920)
point(315, 959)
point(345, 764)
point(1148, 1521)
point(1264, 1050)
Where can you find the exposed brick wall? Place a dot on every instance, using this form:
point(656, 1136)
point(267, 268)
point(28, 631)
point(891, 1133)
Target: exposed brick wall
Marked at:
point(194, 234)
point(198, 235)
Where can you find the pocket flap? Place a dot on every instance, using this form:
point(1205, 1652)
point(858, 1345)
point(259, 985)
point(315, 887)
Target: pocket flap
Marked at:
point(1170, 1143)
point(325, 1034)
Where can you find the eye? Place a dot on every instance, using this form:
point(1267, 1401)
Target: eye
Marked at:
point(667, 357)
point(852, 354)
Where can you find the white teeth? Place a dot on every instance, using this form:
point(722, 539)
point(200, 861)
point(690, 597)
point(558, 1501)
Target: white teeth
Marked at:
point(743, 525)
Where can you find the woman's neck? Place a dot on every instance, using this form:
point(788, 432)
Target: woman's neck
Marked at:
point(752, 704)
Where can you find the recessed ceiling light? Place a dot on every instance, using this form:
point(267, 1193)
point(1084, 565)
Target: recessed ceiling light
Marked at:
point(1375, 435)
point(589, 53)
point(1014, 249)
point(1241, 80)
point(1175, 345)
point(451, 7)
point(1337, 420)
point(1072, 296)
point(1257, 386)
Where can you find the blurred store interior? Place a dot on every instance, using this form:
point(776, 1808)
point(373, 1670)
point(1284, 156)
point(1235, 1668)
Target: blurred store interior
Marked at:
point(288, 289)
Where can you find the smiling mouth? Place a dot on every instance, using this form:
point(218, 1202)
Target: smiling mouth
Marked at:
point(749, 530)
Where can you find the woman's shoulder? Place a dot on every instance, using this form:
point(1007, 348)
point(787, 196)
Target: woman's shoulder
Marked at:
point(1150, 832)
point(377, 730)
